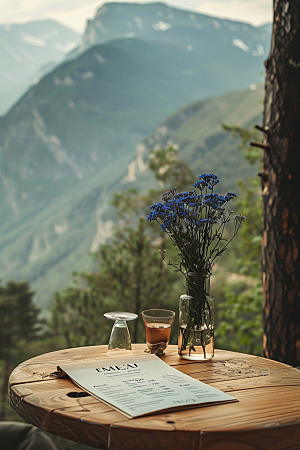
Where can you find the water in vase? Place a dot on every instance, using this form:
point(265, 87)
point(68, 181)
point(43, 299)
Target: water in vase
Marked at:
point(196, 344)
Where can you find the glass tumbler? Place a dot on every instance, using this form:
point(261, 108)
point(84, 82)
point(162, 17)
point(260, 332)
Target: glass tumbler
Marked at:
point(158, 325)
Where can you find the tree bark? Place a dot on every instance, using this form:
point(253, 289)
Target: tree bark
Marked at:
point(281, 188)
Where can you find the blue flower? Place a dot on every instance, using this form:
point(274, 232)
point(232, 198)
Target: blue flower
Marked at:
point(200, 184)
point(195, 223)
point(157, 206)
point(214, 201)
point(207, 180)
point(185, 195)
point(230, 196)
point(210, 221)
point(152, 216)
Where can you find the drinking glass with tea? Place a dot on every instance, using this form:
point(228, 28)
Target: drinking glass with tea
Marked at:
point(158, 325)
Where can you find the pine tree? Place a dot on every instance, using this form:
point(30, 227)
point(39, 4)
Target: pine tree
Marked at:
point(18, 322)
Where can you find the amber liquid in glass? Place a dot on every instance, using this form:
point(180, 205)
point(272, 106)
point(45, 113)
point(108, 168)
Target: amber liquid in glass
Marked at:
point(158, 332)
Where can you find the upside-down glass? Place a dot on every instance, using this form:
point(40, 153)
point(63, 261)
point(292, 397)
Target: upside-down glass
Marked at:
point(158, 325)
point(119, 341)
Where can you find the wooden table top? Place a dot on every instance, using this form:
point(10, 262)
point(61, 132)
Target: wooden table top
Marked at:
point(267, 415)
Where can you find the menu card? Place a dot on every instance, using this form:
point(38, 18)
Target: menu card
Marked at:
point(141, 385)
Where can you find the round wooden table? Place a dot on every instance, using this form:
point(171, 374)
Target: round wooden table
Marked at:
point(267, 415)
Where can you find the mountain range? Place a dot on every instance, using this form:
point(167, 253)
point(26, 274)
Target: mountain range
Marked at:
point(27, 51)
point(160, 22)
point(70, 141)
point(47, 246)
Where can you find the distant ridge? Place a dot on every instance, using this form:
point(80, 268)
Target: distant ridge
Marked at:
point(25, 50)
point(158, 21)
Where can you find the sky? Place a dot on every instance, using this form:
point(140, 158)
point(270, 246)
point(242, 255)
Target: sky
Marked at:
point(74, 13)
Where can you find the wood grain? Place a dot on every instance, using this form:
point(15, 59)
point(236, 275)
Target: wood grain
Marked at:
point(267, 415)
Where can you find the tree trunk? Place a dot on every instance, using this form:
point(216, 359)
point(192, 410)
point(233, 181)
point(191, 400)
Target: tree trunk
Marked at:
point(281, 188)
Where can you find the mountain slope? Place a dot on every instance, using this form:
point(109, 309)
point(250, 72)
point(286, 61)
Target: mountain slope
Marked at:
point(198, 133)
point(48, 246)
point(24, 50)
point(95, 108)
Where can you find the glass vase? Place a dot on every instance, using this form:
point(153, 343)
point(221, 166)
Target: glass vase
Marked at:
point(196, 322)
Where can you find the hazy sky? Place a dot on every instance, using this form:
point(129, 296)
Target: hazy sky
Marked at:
point(74, 13)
